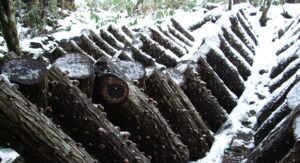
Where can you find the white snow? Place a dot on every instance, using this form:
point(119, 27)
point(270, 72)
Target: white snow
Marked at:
point(293, 97)
point(296, 127)
point(8, 155)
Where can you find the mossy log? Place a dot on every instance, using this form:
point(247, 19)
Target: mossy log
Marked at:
point(238, 45)
point(158, 52)
point(182, 30)
point(138, 114)
point(247, 26)
point(167, 43)
point(31, 77)
point(209, 17)
point(180, 113)
point(225, 70)
point(28, 131)
point(78, 68)
point(226, 98)
point(235, 58)
point(205, 103)
point(238, 29)
point(87, 124)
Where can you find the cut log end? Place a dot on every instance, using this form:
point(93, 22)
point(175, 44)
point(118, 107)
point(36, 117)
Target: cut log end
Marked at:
point(113, 89)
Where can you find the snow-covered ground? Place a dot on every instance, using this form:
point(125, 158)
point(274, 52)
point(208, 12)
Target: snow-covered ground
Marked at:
point(256, 85)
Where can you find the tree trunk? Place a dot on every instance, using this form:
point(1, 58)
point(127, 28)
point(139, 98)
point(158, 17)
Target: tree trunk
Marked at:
point(180, 113)
point(138, 115)
point(86, 124)
point(230, 3)
point(31, 77)
point(205, 103)
point(31, 133)
point(266, 6)
point(9, 29)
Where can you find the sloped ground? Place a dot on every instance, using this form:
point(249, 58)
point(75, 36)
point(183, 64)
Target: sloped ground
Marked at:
point(242, 96)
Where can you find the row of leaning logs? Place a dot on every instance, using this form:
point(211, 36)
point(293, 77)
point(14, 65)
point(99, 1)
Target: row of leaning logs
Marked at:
point(69, 108)
point(277, 129)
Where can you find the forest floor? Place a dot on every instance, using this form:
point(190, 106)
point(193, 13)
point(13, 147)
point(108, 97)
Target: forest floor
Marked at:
point(238, 131)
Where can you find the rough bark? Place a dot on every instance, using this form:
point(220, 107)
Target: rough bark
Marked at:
point(139, 115)
point(28, 131)
point(9, 29)
point(182, 30)
point(31, 77)
point(110, 39)
point(235, 58)
point(225, 70)
point(209, 17)
point(86, 123)
point(293, 155)
point(78, 68)
point(282, 111)
point(102, 43)
point(180, 113)
point(57, 52)
point(246, 24)
point(118, 34)
point(179, 36)
point(167, 43)
point(287, 45)
point(127, 31)
point(205, 103)
point(266, 6)
point(238, 45)
point(156, 51)
point(281, 65)
point(225, 97)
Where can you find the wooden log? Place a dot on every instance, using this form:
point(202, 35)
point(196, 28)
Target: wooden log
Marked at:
point(294, 22)
point(156, 51)
point(75, 48)
point(118, 34)
point(179, 36)
point(87, 124)
point(226, 98)
point(180, 113)
point(277, 144)
point(235, 58)
point(291, 42)
point(167, 43)
point(293, 155)
point(238, 29)
point(247, 26)
point(209, 17)
point(225, 70)
point(276, 100)
point(110, 39)
point(282, 63)
point(182, 30)
point(140, 56)
point(127, 31)
point(279, 114)
point(205, 103)
point(28, 131)
point(31, 77)
point(289, 71)
point(238, 45)
point(80, 68)
point(56, 53)
point(101, 43)
point(139, 115)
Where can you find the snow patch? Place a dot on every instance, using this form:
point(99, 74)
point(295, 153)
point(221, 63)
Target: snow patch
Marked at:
point(8, 155)
point(293, 98)
point(296, 127)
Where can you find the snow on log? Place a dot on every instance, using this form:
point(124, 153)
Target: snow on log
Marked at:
point(31, 77)
point(79, 68)
point(86, 123)
point(238, 45)
point(55, 53)
point(180, 113)
point(118, 34)
point(225, 70)
point(182, 30)
point(162, 56)
point(138, 114)
point(127, 31)
point(101, 43)
point(235, 58)
point(28, 131)
point(167, 43)
point(205, 103)
point(179, 36)
point(289, 43)
point(226, 98)
point(247, 26)
point(237, 28)
point(209, 17)
point(110, 39)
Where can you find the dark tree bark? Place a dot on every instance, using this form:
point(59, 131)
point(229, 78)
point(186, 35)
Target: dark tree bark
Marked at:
point(230, 4)
point(9, 29)
point(180, 113)
point(226, 98)
point(110, 39)
point(138, 115)
point(57, 52)
point(205, 103)
point(235, 58)
point(102, 43)
point(247, 26)
point(118, 35)
point(127, 31)
point(265, 8)
point(182, 30)
point(31, 133)
point(85, 122)
point(288, 45)
point(31, 77)
point(179, 36)
point(293, 155)
point(282, 64)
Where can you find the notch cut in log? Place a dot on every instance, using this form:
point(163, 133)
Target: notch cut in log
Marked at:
point(185, 32)
point(138, 115)
point(28, 131)
point(78, 67)
point(31, 77)
point(180, 113)
point(86, 123)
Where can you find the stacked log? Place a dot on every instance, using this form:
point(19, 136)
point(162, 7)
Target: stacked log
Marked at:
point(209, 17)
